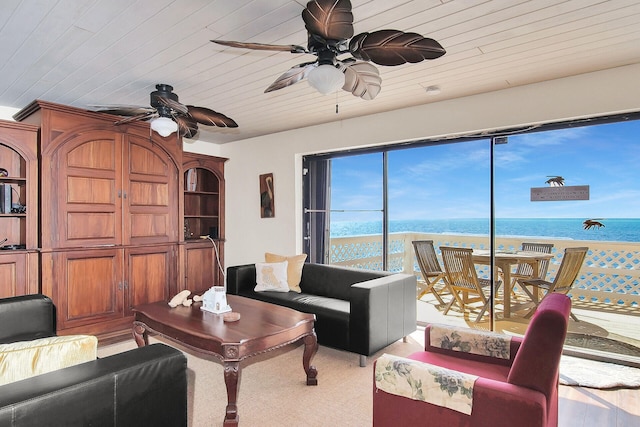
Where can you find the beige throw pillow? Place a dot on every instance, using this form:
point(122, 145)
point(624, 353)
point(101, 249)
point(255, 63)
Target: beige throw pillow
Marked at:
point(294, 270)
point(271, 276)
point(24, 359)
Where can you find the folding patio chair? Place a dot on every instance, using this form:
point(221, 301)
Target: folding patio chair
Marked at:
point(464, 282)
point(525, 271)
point(430, 269)
point(563, 282)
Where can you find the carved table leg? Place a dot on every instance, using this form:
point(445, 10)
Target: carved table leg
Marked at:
point(232, 381)
point(310, 349)
point(140, 334)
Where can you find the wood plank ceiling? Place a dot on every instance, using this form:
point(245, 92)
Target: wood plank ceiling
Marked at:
point(84, 52)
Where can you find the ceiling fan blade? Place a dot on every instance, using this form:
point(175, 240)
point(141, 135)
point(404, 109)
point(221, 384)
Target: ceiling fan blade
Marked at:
point(122, 110)
point(292, 76)
point(187, 126)
point(394, 47)
point(140, 117)
point(329, 19)
point(261, 46)
point(174, 105)
point(209, 117)
point(362, 79)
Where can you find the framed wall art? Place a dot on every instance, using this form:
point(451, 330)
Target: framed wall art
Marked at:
point(267, 198)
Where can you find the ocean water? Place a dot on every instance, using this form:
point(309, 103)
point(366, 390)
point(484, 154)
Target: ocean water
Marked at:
point(614, 230)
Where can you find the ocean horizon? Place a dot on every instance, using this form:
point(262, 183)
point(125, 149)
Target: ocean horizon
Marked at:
point(614, 229)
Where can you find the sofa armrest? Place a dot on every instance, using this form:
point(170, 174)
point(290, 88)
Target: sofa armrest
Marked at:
point(382, 311)
point(495, 403)
point(144, 386)
point(241, 279)
point(501, 348)
point(26, 317)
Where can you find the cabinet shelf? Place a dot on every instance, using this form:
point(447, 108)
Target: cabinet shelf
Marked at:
point(201, 193)
point(203, 198)
point(18, 254)
point(13, 180)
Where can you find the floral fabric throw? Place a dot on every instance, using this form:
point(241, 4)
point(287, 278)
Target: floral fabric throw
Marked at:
point(472, 341)
point(422, 381)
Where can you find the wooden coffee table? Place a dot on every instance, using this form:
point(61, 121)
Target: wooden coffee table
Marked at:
point(262, 327)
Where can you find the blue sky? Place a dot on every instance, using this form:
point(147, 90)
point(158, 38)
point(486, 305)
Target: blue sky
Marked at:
point(452, 180)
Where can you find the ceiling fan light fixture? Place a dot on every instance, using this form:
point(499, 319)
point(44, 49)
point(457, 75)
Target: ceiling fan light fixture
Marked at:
point(164, 126)
point(326, 78)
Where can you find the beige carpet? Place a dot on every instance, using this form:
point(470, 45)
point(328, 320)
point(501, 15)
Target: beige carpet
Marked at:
point(273, 390)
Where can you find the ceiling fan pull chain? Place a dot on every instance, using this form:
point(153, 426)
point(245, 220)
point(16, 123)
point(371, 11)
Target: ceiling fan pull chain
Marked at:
point(336, 102)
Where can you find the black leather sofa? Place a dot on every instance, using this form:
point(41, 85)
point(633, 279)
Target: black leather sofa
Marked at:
point(142, 387)
point(360, 311)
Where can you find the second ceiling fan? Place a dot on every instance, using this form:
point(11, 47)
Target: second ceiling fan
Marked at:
point(329, 25)
point(167, 115)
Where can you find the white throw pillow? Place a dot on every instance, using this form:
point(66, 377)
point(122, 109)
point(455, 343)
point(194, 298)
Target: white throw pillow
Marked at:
point(271, 276)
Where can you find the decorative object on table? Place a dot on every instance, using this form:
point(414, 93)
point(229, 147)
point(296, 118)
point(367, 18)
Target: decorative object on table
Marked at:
point(329, 24)
point(231, 316)
point(180, 299)
point(4, 172)
point(167, 115)
point(215, 300)
point(267, 200)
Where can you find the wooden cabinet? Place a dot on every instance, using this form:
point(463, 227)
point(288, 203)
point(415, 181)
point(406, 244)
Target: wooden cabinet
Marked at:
point(103, 285)
point(111, 204)
point(202, 252)
point(19, 209)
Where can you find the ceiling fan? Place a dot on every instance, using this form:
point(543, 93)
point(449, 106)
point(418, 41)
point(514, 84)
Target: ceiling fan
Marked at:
point(329, 25)
point(167, 115)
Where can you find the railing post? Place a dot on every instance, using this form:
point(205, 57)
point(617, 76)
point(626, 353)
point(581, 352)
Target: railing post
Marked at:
point(407, 260)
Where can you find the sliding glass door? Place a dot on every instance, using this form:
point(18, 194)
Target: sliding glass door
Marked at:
point(530, 196)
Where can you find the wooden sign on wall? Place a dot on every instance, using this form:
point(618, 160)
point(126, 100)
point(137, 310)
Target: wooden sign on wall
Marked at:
point(556, 194)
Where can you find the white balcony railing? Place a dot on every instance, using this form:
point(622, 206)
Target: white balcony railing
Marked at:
point(609, 278)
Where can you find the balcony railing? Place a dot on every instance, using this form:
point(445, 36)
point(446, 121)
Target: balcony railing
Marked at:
point(609, 278)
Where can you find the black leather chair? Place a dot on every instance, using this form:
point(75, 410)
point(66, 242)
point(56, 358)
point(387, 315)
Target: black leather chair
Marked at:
point(142, 387)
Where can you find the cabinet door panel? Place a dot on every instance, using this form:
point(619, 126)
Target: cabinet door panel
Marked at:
point(150, 210)
point(92, 286)
point(13, 275)
point(199, 268)
point(82, 203)
point(150, 273)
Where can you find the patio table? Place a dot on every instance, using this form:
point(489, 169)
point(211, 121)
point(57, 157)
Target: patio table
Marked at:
point(505, 260)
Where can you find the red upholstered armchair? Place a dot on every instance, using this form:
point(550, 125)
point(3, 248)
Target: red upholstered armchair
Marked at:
point(467, 377)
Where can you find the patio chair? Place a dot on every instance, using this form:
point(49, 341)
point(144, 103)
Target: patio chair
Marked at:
point(525, 271)
point(464, 282)
point(432, 273)
point(563, 282)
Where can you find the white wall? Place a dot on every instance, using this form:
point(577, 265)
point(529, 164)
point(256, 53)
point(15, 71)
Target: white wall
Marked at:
point(6, 113)
point(249, 236)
